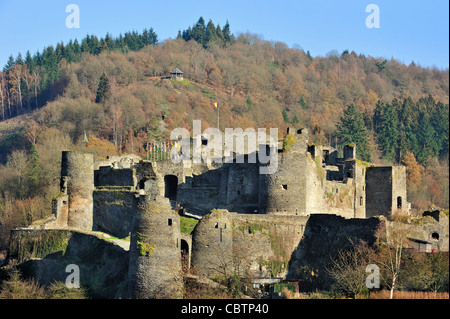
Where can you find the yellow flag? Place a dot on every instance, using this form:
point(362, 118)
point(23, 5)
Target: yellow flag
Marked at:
point(215, 104)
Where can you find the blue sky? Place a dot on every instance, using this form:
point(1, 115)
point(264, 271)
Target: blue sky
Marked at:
point(409, 30)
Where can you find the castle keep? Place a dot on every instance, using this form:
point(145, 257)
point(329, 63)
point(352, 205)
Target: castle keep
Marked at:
point(240, 211)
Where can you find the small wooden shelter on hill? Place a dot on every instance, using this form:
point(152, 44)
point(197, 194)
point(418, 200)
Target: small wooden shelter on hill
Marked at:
point(177, 74)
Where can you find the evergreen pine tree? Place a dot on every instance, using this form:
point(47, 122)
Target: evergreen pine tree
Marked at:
point(110, 42)
point(439, 120)
point(152, 37)
point(76, 51)
point(378, 115)
point(94, 45)
point(210, 33)
point(285, 115)
point(388, 133)
point(68, 52)
point(351, 130)
point(34, 167)
point(199, 31)
point(30, 62)
point(9, 64)
point(85, 45)
point(220, 33)
point(187, 34)
point(19, 59)
point(426, 139)
point(59, 51)
point(302, 102)
point(226, 33)
point(407, 115)
point(103, 88)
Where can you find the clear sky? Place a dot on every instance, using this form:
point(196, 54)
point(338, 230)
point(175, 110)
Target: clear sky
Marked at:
point(410, 30)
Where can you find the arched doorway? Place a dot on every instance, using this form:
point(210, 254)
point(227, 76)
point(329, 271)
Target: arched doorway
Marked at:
point(170, 187)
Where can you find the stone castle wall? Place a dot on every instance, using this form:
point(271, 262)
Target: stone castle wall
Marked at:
point(114, 211)
point(273, 245)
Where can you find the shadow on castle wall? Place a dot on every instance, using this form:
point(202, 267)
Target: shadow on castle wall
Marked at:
point(103, 266)
point(324, 237)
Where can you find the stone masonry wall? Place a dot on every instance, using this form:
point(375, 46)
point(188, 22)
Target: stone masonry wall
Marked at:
point(114, 211)
point(378, 191)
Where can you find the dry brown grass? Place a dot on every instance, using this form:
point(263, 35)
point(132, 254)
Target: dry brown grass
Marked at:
point(384, 294)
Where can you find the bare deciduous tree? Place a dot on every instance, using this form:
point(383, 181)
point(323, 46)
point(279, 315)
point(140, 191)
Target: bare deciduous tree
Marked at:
point(348, 269)
point(18, 161)
point(392, 240)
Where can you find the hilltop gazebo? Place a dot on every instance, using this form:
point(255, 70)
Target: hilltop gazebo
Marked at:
point(177, 74)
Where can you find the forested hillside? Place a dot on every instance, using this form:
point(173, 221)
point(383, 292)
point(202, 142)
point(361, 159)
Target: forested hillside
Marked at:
point(116, 90)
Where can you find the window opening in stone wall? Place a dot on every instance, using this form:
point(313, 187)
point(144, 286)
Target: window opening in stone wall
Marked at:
point(360, 201)
point(285, 186)
point(399, 202)
point(435, 236)
point(326, 154)
point(216, 225)
point(221, 235)
point(169, 222)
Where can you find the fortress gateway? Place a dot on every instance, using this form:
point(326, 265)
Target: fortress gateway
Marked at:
point(241, 211)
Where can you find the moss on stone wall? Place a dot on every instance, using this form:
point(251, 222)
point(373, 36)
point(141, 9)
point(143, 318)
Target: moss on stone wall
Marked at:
point(363, 163)
point(30, 245)
point(252, 228)
point(275, 257)
point(321, 173)
point(143, 248)
point(288, 141)
point(274, 267)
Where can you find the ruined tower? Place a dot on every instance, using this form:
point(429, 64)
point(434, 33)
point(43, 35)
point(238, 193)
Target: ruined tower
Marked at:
point(286, 188)
point(77, 181)
point(212, 244)
point(155, 258)
point(386, 190)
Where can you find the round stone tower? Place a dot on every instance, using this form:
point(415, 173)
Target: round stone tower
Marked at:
point(285, 190)
point(155, 269)
point(77, 180)
point(212, 244)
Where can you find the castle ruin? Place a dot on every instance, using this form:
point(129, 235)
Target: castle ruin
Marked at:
point(239, 210)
